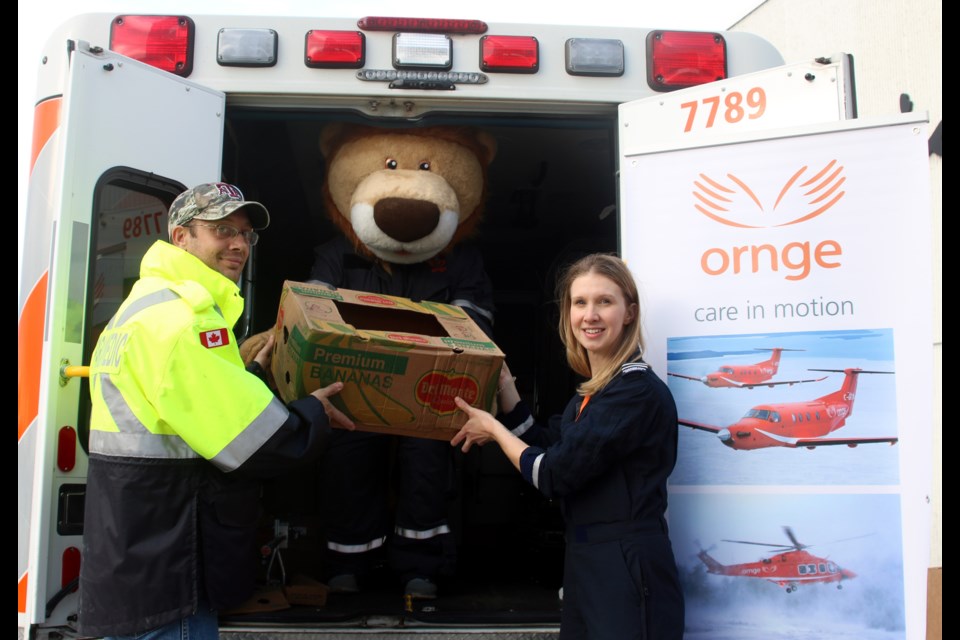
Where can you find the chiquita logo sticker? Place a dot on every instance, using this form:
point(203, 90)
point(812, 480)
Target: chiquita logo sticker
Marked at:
point(437, 389)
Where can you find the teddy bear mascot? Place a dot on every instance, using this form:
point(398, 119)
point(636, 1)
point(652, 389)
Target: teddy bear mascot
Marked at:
point(405, 199)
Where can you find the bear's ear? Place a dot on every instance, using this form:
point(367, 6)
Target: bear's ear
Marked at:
point(489, 146)
point(333, 135)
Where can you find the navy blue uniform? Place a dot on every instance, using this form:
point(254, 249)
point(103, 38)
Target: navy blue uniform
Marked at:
point(356, 468)
point(609, 468)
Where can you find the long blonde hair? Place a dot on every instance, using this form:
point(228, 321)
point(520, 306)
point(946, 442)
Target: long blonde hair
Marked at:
point(631, 340)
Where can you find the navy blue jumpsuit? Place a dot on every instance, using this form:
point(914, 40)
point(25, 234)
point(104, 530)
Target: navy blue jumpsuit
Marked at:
point(609, 468)
point(356, 466)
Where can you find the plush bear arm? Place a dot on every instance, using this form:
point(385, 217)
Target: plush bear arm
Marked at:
point(471, 287)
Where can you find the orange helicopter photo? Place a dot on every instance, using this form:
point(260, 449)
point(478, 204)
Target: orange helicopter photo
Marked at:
point(788, 566)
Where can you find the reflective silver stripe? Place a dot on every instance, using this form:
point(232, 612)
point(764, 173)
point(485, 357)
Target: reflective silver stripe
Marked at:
point(535, 473)
point(120, 411)
point(524, 427)
point(140, 445)
point(133, 439)
point(469, 305)
point(376, 543)
point(138, 305)
point(252, 437)
point(426, 534)
point(634, 366)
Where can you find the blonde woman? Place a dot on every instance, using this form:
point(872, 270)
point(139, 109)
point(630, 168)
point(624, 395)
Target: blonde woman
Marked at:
point(606, 459)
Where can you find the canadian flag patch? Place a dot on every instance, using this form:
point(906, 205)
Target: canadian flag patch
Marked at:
point(215, 338)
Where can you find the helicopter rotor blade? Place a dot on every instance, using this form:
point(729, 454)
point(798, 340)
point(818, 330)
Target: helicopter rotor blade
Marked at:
point(782, 546)
point(796, 543)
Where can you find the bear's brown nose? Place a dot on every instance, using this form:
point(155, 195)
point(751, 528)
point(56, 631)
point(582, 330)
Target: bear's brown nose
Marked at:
point(406, 219)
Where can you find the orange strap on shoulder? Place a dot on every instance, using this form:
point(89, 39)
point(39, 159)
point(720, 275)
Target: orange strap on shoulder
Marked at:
point(583, 404)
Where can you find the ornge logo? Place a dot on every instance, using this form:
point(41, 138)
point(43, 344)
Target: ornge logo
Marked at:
point(730, 201)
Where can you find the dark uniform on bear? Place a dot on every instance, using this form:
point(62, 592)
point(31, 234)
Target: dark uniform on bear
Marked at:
point(356, 466)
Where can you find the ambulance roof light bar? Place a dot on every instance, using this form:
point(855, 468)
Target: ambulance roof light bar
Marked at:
point(679, 59)
point(164, 42)
point(422, 25)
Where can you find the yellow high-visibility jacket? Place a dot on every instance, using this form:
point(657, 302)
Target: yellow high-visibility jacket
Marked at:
point(174, 414)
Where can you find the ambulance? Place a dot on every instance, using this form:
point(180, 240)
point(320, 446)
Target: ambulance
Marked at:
point(132, 109)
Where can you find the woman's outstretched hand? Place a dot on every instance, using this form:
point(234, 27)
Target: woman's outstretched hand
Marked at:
point(479, 429)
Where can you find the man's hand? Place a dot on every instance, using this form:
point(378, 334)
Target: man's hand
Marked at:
point(337, 418)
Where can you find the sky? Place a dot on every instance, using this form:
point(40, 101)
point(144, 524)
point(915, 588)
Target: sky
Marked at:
point(36, 20)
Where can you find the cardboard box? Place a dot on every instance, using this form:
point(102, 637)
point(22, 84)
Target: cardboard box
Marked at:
point(401, 362)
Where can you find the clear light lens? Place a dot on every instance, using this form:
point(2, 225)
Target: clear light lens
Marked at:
point(594, 57)
point(420, 50)
point(247, 47)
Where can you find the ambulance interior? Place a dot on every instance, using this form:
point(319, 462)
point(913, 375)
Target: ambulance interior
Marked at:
point(551, 198)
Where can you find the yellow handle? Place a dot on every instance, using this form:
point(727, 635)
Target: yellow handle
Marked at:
point(75, 371)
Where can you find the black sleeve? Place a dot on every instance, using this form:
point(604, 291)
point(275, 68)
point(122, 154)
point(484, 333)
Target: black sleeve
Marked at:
point(299, 440)
point(632, 414)
point(328, 262)
point(471, 288)
point(255, 368)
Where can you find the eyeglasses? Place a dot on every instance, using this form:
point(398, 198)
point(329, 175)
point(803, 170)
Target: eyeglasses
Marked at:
point(226, 232)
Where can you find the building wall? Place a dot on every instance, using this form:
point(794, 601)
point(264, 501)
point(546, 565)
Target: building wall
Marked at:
point(897, 49)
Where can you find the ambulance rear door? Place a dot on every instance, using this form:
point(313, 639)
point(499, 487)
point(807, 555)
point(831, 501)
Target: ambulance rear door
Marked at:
point(652, 130)
point(129, 138)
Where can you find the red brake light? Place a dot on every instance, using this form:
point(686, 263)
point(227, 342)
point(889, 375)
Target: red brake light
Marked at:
point(678, 59)
point(69, 566)
point(334, 49)
point(66, 449)
point(422, 25)
point(509, 54)
point(164, 42)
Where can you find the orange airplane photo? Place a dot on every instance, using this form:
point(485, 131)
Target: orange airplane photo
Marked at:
point(796, 424)
point(747, 376)
point(790, 565)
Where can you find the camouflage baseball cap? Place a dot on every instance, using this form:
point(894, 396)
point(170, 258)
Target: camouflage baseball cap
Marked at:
point(215, 201)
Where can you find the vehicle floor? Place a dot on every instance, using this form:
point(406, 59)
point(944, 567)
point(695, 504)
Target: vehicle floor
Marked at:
point(460, 601)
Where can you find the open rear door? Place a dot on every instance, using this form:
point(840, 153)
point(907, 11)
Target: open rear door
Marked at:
point(129, 137)
point(757, 214)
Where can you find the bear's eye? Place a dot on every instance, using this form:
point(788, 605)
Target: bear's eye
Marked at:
point(391, 164)
point(424, 166)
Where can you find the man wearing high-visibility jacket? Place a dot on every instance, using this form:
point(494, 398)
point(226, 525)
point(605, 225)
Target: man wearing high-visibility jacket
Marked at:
point(180, 430)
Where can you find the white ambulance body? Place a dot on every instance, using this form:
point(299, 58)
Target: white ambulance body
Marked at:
point(243, 99)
